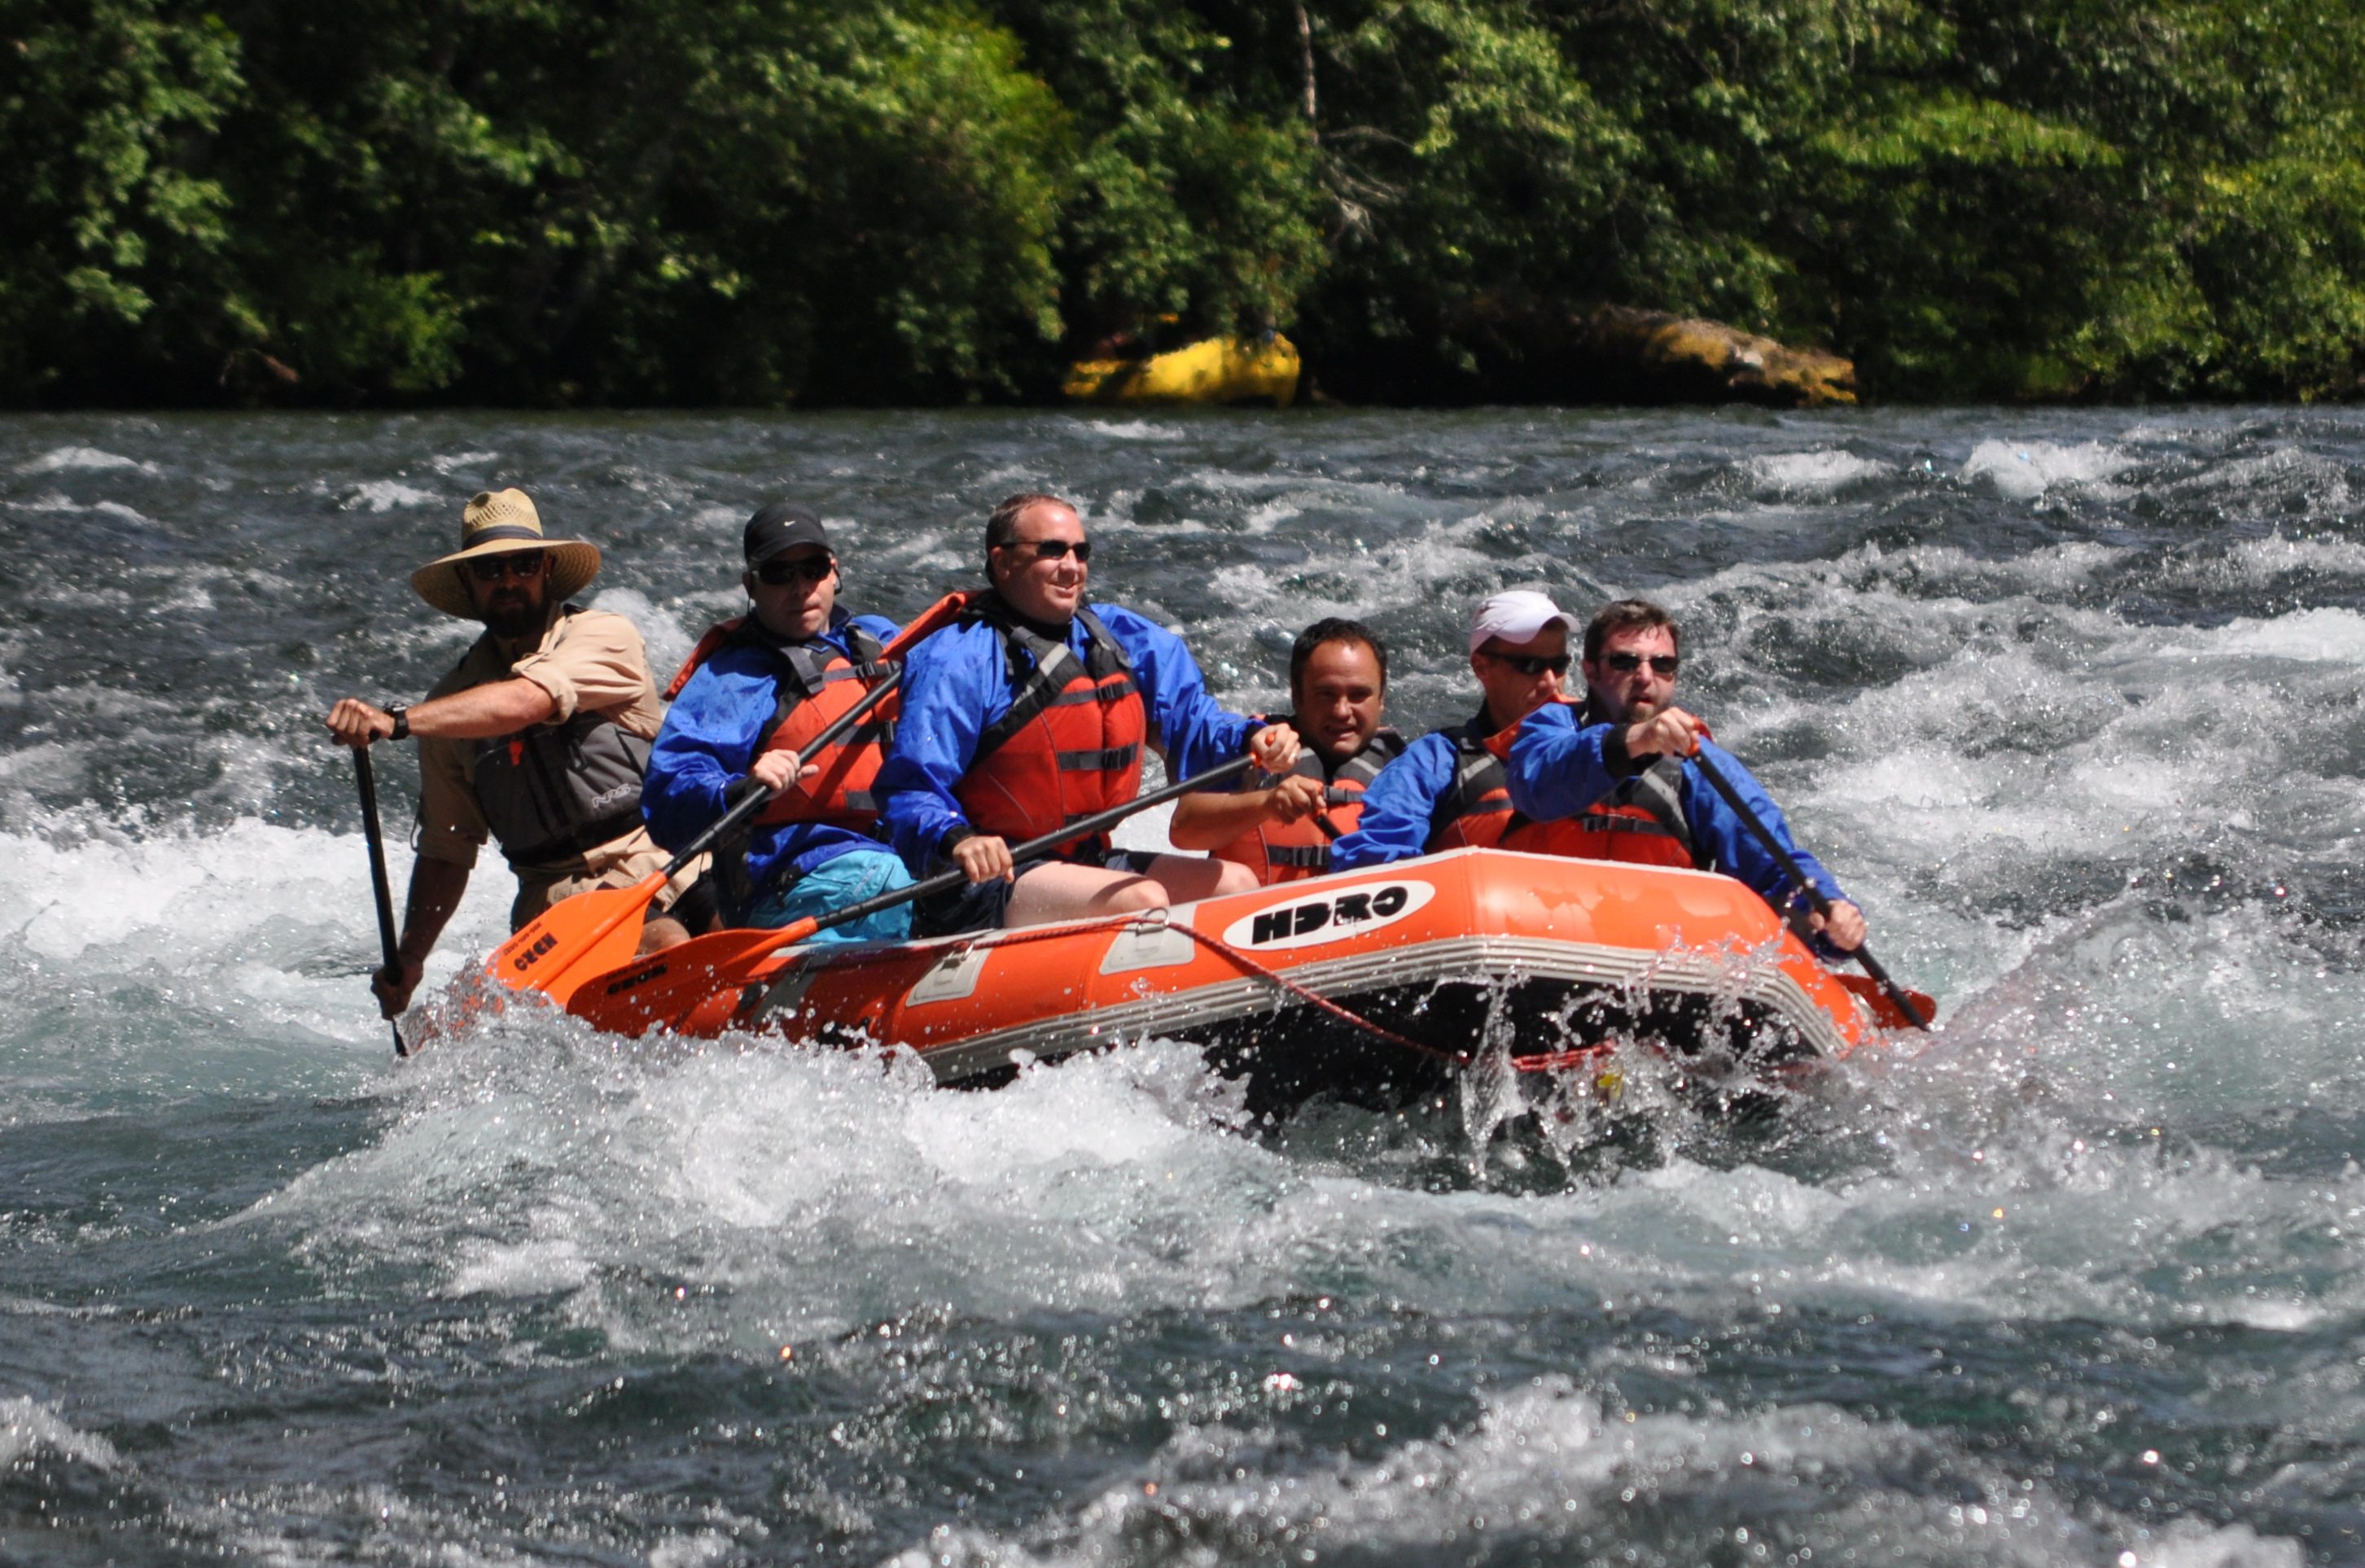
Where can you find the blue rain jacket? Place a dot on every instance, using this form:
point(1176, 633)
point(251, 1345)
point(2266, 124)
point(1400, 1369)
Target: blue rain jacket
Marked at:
point(710, 736)
point(956, 684)
point(1558, 767)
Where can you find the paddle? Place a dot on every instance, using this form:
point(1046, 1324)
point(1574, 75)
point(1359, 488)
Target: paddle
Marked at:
point(595, 928)
point(365, 775)
point(666, 985)
point(1798, 875)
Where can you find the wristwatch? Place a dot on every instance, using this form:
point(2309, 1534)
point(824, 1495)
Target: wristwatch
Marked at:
point(401, 717)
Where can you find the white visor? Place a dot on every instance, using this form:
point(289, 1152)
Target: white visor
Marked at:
point(1518, 615)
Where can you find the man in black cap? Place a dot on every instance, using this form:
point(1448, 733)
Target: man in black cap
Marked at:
point(748, 704)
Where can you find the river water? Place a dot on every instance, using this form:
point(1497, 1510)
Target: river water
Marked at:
point(2069, 701)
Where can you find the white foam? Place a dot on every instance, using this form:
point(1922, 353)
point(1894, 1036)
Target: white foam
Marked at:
point(54, 502)
point(449, 461)
point(2026, 470)
point(1818, 473)
point(383, 496)
point(1552, 1472)
point(26, 1428)
point(2308, 636)
point(83, 460)
point(1130, 430)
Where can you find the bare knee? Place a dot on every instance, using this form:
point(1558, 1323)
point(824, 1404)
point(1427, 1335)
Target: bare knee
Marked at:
point(1139, 893)
point(1235, 878)
point(662, 933)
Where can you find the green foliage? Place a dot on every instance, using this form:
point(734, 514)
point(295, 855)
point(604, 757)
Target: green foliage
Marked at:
point(700, 201)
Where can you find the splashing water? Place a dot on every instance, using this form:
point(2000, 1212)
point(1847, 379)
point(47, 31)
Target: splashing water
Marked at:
point(2068, 700)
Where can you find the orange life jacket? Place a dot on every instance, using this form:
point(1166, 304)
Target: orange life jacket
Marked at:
point(1641, 822)
point(1289, 852)
point(1070, 743)
point(816, 684)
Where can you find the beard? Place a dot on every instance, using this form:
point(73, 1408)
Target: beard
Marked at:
point(513, 615)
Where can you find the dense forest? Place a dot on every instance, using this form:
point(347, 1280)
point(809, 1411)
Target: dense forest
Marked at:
point(559, 202)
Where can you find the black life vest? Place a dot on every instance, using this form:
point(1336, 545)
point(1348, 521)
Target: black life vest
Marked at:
point(1070, 746)
point(553, 792)
point(1475, 809)
point(1289, 852)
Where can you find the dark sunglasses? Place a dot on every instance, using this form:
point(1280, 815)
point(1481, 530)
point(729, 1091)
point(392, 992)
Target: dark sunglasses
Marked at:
point(1055, 549)
point(779, 574)
point(493, 568)
point(1529, 663)
point(1627, 663)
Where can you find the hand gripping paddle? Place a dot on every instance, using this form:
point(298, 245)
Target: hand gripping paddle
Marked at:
point(599, 929)
point(1905, 1001)
point(661, 987)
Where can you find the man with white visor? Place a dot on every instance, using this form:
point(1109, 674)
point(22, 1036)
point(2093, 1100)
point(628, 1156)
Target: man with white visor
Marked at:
point(1448, 789)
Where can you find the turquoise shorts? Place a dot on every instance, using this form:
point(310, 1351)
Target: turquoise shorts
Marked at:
point(842, 880)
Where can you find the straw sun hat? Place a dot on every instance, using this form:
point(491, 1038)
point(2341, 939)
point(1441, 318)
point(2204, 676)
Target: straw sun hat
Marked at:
point(503, 522)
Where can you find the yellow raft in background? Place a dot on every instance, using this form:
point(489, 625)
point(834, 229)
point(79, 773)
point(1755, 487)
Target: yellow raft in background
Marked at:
point(1216, 370)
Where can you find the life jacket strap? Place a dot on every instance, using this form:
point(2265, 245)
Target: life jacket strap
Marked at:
point(1105, 760)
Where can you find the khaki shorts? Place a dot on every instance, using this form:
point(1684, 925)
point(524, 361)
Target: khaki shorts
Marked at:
point(618, 864)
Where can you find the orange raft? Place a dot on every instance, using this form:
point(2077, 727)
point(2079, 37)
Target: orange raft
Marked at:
point(1372, 985)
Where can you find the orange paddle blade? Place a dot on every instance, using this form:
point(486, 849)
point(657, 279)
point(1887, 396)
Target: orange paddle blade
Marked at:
point(1887, 1012)
point(574, 938)
point(660, 988)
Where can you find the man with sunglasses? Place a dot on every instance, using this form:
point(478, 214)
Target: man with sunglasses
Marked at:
point(1612, 781)
point(1032, 713)
point(746, 702)
point(1447, 791)
point(537, 739)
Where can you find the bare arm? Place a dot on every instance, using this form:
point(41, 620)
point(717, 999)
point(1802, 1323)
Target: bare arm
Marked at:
point(502, 708)
point(1210, 821)
point(435, 889)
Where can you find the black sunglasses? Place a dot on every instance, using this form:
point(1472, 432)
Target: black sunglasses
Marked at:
point(517, 563)
point(1530, 664)
point(1055, 549)
point(779, 574)
point(1627, 663)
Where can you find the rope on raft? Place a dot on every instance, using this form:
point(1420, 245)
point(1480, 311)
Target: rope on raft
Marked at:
point(1551, 1061)
point(1247, 961)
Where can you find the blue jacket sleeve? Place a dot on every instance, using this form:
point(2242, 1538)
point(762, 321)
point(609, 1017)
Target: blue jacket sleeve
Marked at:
point(1557, 767)
point(1729, 844)
point(1396, 808)
point(708, 738)
point(954, 685)
point(1196, 733)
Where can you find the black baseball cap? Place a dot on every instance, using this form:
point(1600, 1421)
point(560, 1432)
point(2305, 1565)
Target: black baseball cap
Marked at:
point(780, 527)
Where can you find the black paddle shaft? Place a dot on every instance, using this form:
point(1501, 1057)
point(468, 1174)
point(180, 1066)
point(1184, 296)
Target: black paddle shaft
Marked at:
point(1798, 874)
point(759, 797)
point(1036, 848)
point(365, 777)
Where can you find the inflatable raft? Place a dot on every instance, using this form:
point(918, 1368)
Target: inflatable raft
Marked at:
point(1375, 986)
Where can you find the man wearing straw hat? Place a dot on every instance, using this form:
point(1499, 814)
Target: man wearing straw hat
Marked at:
point(538, 739)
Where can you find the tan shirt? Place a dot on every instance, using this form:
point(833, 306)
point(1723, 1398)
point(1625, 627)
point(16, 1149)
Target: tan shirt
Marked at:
point(585, 659)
